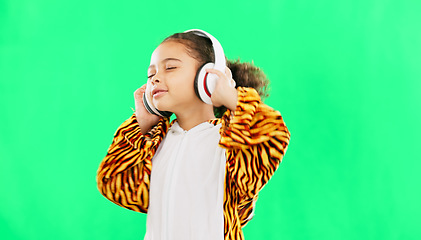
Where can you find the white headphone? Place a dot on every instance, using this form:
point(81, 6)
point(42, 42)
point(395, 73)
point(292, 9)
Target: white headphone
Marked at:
point(204, 83)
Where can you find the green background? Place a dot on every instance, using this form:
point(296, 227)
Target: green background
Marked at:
point(345, 74)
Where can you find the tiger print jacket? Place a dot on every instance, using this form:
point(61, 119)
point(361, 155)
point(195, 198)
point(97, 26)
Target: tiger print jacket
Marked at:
point(255, 138)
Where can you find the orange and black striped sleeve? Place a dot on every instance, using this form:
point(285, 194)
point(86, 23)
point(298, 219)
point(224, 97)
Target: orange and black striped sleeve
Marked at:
point(123, 176)
point(256, 139)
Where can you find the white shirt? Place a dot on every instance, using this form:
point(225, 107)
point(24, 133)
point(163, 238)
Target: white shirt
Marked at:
point(187, 185)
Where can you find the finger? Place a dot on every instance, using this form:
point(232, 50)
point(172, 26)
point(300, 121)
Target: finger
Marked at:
point(231, 82)
point(143, 88)
point(217, 72)
point(138, 96)
point(140, 91)
point(137, 92)
point(228, 73)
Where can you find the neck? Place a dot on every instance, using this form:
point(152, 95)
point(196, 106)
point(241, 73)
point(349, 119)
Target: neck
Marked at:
point(190, 118)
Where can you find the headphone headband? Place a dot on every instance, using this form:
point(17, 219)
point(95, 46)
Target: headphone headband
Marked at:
point(220, 62)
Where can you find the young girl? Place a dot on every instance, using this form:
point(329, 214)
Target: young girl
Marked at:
point(199, 176)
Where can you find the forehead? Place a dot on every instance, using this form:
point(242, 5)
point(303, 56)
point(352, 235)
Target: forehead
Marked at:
point(169, 49)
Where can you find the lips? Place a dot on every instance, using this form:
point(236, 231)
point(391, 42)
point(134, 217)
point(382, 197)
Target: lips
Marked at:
point(158, 92)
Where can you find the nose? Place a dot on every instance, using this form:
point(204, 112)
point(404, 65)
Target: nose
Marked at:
point(155, 79)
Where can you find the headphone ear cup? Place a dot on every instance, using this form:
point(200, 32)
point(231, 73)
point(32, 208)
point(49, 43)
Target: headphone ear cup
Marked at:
point(196, 84)
point(204, 83)
point(147, 105)
point(152, 110)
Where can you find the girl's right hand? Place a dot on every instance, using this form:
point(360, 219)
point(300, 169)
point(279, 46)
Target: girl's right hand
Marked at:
point(145, 120)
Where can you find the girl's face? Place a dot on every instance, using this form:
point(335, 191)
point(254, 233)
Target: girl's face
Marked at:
point(171, 78)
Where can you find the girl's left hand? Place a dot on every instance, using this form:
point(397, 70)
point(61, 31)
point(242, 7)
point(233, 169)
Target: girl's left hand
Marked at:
point(225, 92)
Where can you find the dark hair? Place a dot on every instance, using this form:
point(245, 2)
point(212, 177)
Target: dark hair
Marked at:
point(245, 74)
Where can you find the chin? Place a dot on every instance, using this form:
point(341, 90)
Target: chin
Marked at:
point(162, 106)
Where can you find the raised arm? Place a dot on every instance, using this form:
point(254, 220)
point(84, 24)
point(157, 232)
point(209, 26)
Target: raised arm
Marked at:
point(124, 175)
point(256, 139)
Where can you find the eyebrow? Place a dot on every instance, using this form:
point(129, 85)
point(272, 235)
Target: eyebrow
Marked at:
point(166, 60)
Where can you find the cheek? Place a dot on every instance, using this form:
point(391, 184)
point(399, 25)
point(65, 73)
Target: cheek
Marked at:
point(189, 88)
point(190, 80)
point(184, 82)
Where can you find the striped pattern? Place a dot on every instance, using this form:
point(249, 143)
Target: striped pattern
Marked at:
point(124, 174)
point(254, 136)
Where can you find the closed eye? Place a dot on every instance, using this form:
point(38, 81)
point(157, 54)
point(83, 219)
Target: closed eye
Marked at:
point(169, 68)
point(150, 76)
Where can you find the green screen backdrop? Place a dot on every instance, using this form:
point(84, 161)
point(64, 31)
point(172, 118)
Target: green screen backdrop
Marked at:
point(346, 76)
